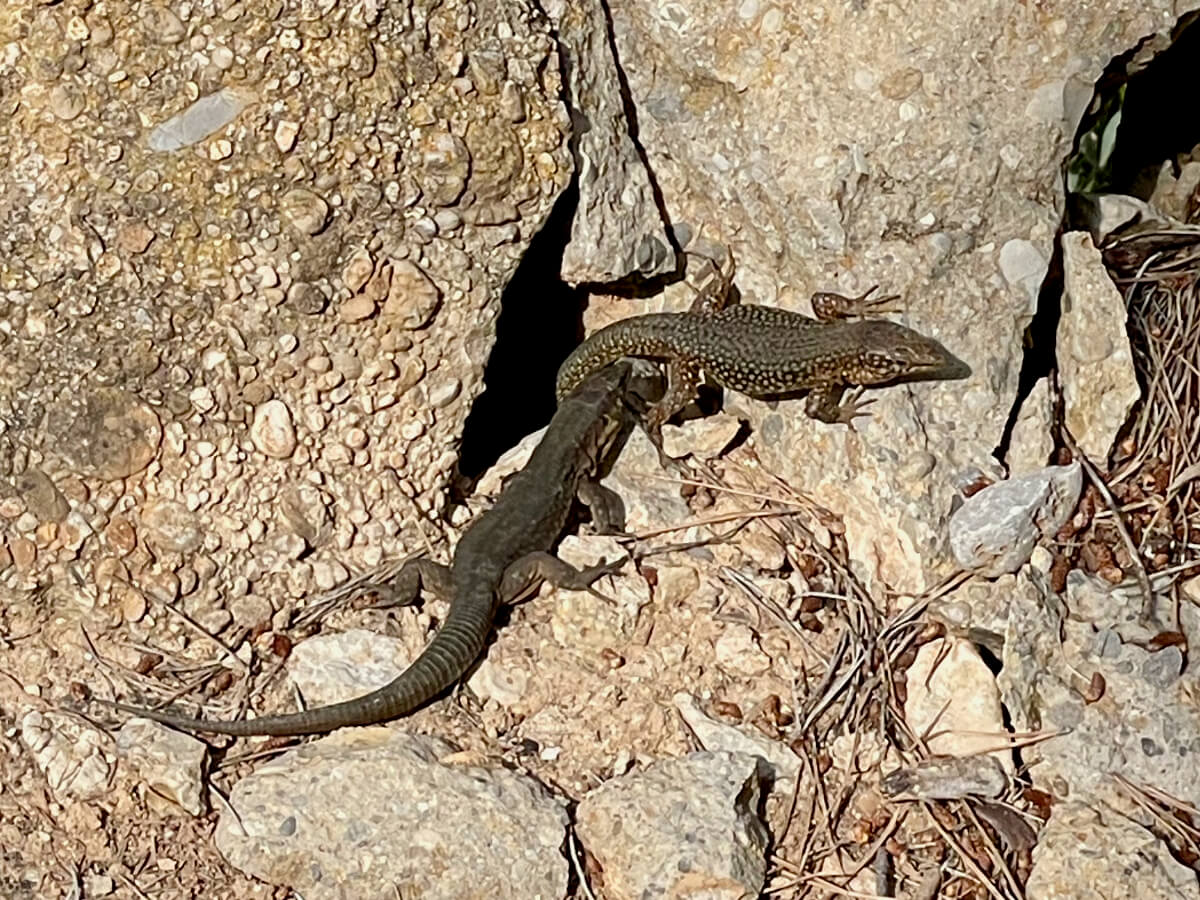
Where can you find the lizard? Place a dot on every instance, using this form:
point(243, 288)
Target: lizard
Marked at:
point(768, 352)
point(503, 555)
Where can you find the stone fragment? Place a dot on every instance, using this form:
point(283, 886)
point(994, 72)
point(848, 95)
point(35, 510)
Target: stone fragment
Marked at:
point(272, 431)
point(69, 755)
point(169, 762)
point(412, 298)
point(682, 828)
point(386, 813)
point(1095, 362)
point(953, 702)
point(210, 113)
point(994, 531)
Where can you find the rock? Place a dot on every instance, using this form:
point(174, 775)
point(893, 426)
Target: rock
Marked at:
point(383, 811)
point(305, 211)
point(171, 526)
point(272, 431)
point(1032, 443)
point(682, 828)
point(205, 116)
point(783, 765)
point(703, 438)
point(107, 433)
point(1123, 859)
point(68, 754)
point(41, 497)
point(1095, 362)
point(618, 229)
point(953, 701)
point(995, 530)
point(1115, 708)
point(169, 762)
point(329, 668)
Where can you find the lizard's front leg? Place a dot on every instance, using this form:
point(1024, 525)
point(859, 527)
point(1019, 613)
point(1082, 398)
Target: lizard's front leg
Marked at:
point(403, 588)
point(824, 404)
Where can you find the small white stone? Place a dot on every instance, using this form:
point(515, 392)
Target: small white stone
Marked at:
point(272, 431)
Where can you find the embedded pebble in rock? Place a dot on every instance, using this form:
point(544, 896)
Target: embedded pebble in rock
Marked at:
point(107, 433)
point(359, 832)
point(994, 531)
point(204, 117)
point(272, 431)
point(358, 270)
point(170, 526)
point(70, 755)
point(702, 438)
point(285, 135)
point(134, 237)
point(357, 308)
point(23, 552)
point(304, 211)
point(41, 497)
point(412, 298)
point(682, 828)
point(308, 299)
point(169, 762)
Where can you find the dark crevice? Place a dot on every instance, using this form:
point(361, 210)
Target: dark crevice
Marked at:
point(540, 318)
point(1154, 127)
point(539, 324)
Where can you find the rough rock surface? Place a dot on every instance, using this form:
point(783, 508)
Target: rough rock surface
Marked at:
point(682, 828)
point(828, 160)
point(1123, 710)
point(953, 702)
point(994, 531)
point(381, 810)
point(1121, 856)
point(1095, 361)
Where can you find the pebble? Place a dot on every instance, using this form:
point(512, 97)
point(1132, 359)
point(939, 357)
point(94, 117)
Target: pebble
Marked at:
point(207, 115)
point(412, 297)
point(357, 308)
point(304, 211)
point(272, 431)
point(23, 552)
point(358, 270)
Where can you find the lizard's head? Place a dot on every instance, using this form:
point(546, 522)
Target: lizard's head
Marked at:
point(895, 353)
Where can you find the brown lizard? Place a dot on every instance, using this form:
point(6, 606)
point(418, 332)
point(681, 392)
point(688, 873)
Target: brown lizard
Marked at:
point(768, 352)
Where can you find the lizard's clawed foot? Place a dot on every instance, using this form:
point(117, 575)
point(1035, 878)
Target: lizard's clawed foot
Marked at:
point(854, 408)
point(590, 575)
point(828, 306)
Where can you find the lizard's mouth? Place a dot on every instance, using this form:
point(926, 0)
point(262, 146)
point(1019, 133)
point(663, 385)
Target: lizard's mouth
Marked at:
point(950, 368)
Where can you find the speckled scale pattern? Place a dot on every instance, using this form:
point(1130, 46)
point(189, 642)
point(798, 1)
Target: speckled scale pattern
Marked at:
point(764, 351)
